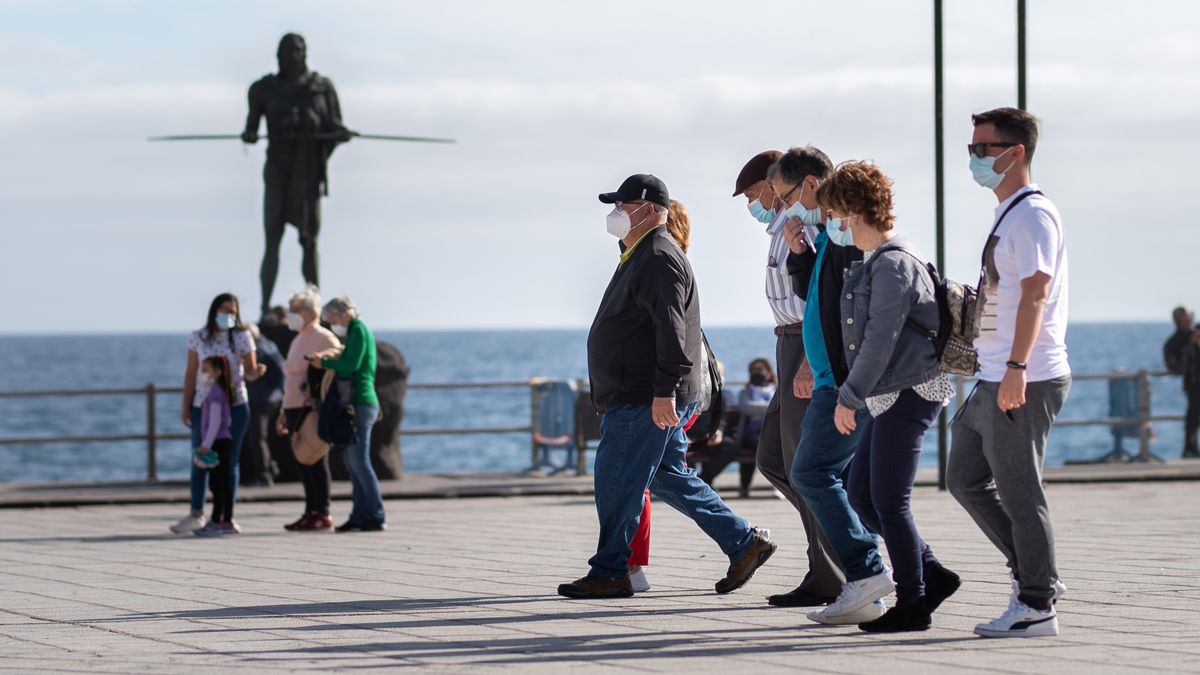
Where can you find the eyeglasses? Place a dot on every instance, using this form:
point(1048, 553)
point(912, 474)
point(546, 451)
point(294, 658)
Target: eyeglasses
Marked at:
point(980, 149)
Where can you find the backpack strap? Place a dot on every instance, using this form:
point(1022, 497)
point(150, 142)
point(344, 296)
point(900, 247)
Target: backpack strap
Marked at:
point(1023, 196)
point(931, 334)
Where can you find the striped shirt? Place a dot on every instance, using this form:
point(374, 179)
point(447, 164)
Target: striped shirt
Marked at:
point(787, 306)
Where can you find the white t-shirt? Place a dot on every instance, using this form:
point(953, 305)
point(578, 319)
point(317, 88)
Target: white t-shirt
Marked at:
point(219, 345)
point(1031, 239)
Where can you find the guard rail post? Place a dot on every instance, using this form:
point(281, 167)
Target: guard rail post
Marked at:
point(534, 415)
point(1144, 427)
point(151, 433)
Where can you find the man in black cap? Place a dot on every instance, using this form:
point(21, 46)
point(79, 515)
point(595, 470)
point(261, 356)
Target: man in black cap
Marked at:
point(645, 360)
point(781, 427)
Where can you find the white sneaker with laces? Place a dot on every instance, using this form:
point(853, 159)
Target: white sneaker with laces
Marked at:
point(855, 596)
point(1021, 620)
point(863, 614)
point(189, 523)
point(639, 581)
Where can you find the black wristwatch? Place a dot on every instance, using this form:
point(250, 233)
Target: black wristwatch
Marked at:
point(1016, 365)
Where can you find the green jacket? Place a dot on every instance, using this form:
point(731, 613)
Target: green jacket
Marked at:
point(357, 361)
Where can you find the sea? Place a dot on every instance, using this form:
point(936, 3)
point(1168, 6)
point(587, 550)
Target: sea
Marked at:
point(55, 362)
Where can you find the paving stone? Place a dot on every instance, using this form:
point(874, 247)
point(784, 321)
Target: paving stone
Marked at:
point(468, 585)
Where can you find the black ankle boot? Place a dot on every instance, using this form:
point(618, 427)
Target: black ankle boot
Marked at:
point(906, 615)
point(940, 583)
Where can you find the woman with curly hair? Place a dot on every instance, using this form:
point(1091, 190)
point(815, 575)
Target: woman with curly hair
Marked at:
point(888, 311)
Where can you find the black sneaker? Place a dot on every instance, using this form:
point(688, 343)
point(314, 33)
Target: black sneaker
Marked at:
point(353, 526)
point(940, 583)
point(597, 587)
point(799, 597)
point(906, 615)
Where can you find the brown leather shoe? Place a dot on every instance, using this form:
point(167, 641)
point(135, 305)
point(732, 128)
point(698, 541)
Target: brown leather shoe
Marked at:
point(597, 587)
point(740, 571)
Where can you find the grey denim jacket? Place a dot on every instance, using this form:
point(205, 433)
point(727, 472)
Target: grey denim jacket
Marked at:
point(885, 354)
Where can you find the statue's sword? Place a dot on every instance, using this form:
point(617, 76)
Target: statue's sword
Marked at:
point(318, 136)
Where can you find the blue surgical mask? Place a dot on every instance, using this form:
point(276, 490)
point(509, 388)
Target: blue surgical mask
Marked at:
point(226, 321)
point(984, 172)
point(806, 215)
point(761, 213)
point(838, 236)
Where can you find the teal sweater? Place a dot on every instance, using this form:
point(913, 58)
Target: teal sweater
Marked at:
point(357, 361)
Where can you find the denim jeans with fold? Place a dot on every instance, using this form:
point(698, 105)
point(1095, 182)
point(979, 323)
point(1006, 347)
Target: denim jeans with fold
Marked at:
point(819, 474)
point(239, 419)
point(365, 496)
point(635, 454)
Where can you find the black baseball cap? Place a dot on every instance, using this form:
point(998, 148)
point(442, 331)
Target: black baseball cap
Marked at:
point(640, 187)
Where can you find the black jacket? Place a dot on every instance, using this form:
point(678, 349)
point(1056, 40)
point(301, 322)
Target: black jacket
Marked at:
point(1183, 358)
point(645, 339)
point(833, 274)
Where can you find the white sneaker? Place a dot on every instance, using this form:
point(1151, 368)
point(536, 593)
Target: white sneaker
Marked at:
point(639, 581)
point(855, 595)
point(863, 614)
point(1021, 620)
point(189, 523)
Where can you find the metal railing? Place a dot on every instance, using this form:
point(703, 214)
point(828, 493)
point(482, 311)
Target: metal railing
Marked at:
point(151, 436)
point(1143, 420)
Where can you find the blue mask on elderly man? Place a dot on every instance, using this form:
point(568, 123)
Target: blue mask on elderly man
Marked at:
point(760, 212)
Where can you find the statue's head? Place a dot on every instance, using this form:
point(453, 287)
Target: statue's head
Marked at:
point(292, 54)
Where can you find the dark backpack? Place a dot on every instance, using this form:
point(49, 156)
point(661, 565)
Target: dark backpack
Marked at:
point(712, 382)
point(335, 422)
point(953, 339)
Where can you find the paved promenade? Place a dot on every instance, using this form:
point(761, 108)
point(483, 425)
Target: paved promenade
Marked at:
point(468, 585)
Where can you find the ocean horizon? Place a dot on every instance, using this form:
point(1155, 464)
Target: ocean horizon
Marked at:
point(95, 360)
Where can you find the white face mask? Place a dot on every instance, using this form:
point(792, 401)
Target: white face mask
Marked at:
point(338, 330)
point(619, 223)
point(295, 321)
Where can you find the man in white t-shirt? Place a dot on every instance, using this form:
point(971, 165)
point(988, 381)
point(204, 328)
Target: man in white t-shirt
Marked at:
point(999, 436)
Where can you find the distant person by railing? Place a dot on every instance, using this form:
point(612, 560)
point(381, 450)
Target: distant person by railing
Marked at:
point(265, 396)
point(311, 337)
point(1181, 354)
point(736, 438)
point(223, 334)
point(357, 364)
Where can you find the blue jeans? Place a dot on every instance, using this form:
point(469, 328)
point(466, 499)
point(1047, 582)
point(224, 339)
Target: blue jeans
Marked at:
point(635, 454)
point(819, 474)
point(365, 497)
point(239, 419)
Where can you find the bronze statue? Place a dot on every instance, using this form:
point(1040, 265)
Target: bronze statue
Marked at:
point(304, 125)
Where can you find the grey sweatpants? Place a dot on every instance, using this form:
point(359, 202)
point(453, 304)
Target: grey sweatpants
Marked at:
point(777, 445)
point(995, 472)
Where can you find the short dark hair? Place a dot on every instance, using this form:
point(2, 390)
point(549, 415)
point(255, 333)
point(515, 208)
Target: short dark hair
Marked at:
point(1012, 126)
point(799, 163)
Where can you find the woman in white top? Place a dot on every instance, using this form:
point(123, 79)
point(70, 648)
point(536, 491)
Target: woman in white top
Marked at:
point(222, 335)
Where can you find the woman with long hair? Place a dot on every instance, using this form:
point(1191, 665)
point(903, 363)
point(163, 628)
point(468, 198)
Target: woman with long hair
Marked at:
point(223, 334)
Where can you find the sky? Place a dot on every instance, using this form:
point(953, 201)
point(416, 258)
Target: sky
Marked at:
point(553, 102)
